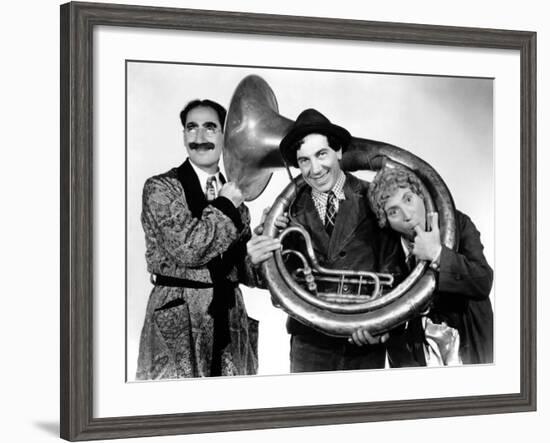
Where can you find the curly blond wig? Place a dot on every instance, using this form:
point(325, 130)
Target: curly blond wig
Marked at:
point(385, 184)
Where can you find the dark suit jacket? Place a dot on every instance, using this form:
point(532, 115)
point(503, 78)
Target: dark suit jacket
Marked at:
point(356, 242)
point(461, 299)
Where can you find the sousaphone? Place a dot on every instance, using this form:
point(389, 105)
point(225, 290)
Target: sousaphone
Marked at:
point(253, 132)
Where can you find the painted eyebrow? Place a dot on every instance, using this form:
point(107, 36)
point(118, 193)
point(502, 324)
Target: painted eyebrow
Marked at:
point(205, 124)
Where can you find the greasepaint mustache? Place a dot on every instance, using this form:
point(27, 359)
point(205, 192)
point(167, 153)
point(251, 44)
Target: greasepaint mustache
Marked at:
point(206, 145)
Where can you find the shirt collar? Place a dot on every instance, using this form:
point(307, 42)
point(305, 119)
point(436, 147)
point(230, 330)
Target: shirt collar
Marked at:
point(203, 176)
point(407, 246)
point(320, 198)
point(338, 190)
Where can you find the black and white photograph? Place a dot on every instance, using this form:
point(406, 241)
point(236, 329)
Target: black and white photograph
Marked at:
point(283, 221)
point(275, 221)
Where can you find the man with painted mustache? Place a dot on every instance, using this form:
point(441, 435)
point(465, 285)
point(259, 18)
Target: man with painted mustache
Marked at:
point(196, 228)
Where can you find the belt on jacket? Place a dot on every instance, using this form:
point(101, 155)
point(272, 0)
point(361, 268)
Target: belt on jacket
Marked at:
point(165, 280)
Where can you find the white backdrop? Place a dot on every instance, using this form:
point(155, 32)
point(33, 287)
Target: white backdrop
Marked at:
point(30, 226)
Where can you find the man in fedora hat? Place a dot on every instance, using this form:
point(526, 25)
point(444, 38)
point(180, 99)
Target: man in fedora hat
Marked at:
point(334, 209)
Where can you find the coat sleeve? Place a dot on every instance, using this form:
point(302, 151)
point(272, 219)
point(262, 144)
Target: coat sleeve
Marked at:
point(249, 274)
point(465, 272)
point(167, 220)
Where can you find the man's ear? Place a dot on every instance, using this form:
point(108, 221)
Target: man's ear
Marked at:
point(339, 154)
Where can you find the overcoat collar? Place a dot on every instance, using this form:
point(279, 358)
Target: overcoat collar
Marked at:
point(196, 200)
point(194, 195)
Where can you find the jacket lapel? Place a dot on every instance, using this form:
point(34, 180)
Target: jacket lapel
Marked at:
point(307, 215)
point(351, 214)
point(192, 188)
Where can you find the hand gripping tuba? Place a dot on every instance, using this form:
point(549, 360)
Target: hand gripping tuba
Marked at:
point(253, 132)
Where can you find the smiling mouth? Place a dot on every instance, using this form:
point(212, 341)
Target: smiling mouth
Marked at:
point(320, 178)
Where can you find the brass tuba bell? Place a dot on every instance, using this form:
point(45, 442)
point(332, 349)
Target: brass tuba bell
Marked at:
point(253, 132)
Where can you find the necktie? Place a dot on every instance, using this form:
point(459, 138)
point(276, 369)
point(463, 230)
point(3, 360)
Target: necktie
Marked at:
point(330, 215)
point(410, 261)
point(210, 188)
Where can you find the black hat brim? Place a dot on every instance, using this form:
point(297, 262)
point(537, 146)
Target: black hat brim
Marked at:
point(298, 133)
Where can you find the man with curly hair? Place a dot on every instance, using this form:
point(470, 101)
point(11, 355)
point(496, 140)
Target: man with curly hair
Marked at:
point(464, 278)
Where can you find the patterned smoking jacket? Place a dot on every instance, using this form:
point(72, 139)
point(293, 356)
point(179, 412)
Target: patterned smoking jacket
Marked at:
point(177, 335)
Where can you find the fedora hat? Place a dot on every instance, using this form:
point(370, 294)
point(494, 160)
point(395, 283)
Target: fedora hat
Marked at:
point(308, 122)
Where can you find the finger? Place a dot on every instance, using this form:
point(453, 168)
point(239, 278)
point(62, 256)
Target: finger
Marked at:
point(259, 256)
point(264, 246)
point(256, 240)
point(263, 237)
point(418, 229)
point(260, 240)
point(281, 222)
point(264, 215)
point(264, 241)
point(367, 337)
point(265, 256)
point(355, 339)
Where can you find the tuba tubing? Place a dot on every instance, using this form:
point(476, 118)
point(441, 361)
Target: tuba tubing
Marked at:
point(253, 132)
point(409, 299)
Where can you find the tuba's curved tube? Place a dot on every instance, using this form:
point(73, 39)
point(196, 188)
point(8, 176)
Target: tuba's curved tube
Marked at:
point(253, 132)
